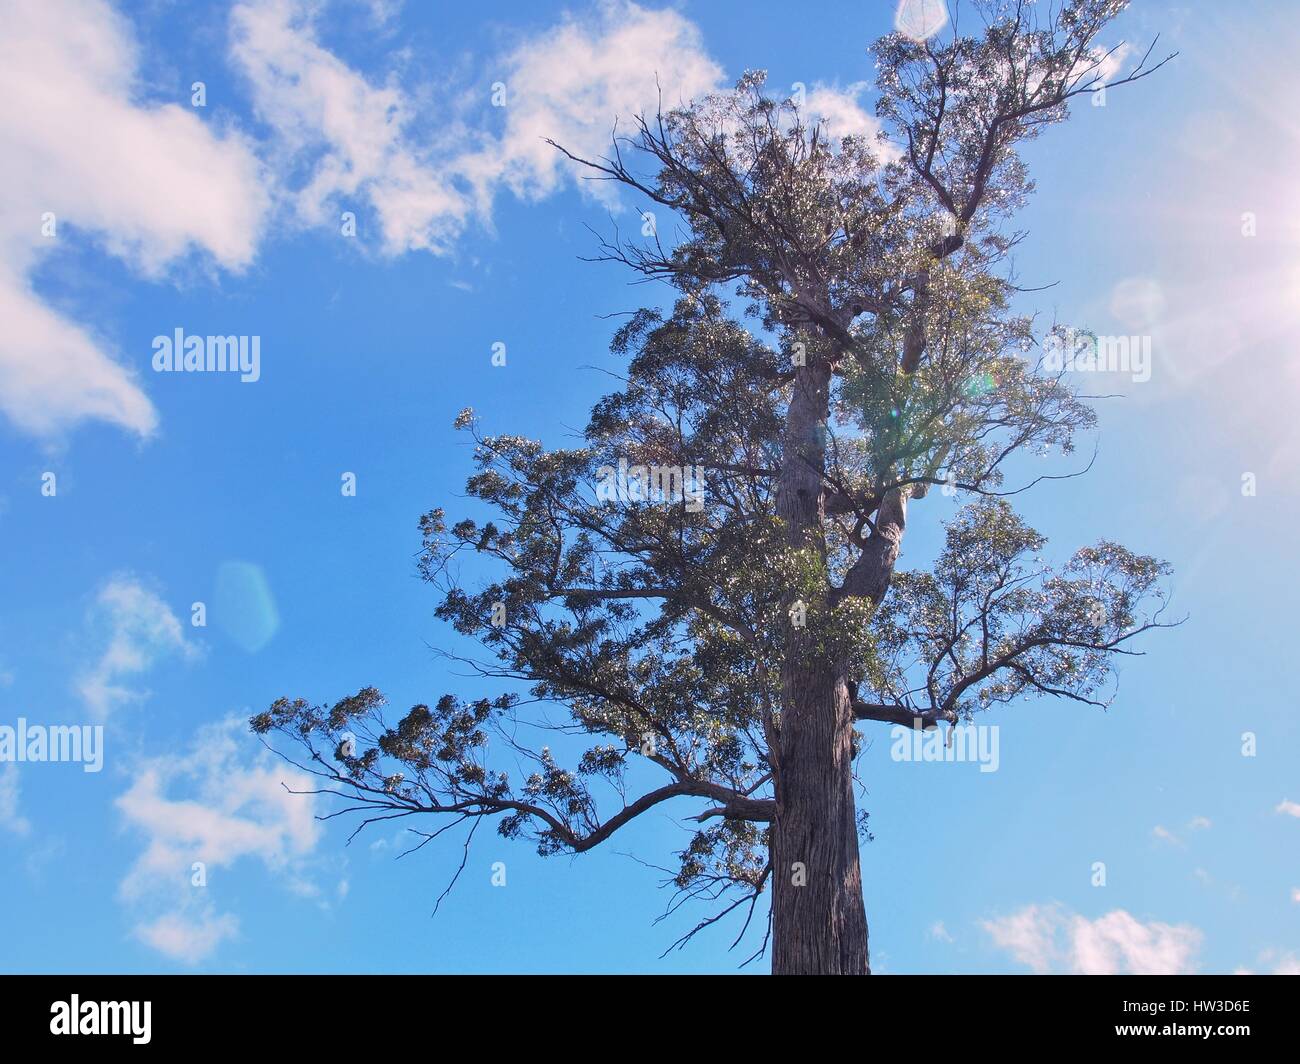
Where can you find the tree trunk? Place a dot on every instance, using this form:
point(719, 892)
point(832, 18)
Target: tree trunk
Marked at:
point(819, 924)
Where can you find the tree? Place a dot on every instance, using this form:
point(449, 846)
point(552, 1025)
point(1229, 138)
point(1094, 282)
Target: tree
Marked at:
point(841, 340)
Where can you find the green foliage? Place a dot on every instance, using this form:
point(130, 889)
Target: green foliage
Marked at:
point(863, 284)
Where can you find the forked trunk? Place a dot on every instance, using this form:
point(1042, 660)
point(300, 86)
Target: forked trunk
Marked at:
point(819, 924)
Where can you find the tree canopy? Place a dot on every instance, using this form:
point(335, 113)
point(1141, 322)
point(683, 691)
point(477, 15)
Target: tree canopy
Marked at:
point(841, 339)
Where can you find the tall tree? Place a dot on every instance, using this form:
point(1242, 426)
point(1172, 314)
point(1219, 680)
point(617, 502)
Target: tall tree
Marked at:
point(708, 586)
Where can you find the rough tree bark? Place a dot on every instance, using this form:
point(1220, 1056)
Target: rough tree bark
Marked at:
point(819, 923)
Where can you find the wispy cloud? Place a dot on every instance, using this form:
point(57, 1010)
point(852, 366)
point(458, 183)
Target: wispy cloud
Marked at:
point(1049, 938)
point(1165, 835)
point(360, 140)
point(141, 629)
point(217, 803)
point(1273, 962)
point(572, 83)
point(939, 932)
point(1197, 823)
point(346, 133)
point(188, 937)
point(11, 819)
point(841, 112)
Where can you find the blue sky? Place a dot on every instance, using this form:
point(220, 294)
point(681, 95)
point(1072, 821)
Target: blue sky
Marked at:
point(174, 489)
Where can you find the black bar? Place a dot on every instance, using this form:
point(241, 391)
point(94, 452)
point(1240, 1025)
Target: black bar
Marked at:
point(570, 1014)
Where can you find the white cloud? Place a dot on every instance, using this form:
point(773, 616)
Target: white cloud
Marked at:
point(141, 629)
point(1200, 823)
point(1163, 833)
point(1275, 962)
point(382, 12)
point(1117, 942)
point(1028, 935)
point(361, 141)
point(356, 132)
point(10, 818)
point(571, 84)
point(1288, 807)
point(1110, 62)
point(189, 939)
point(149, 183)
point(841, 112)
point(217, 803)
point(53, 373)
point(1048, 938)
point(1295, 895)
point(939, 932)
point(232, 808)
